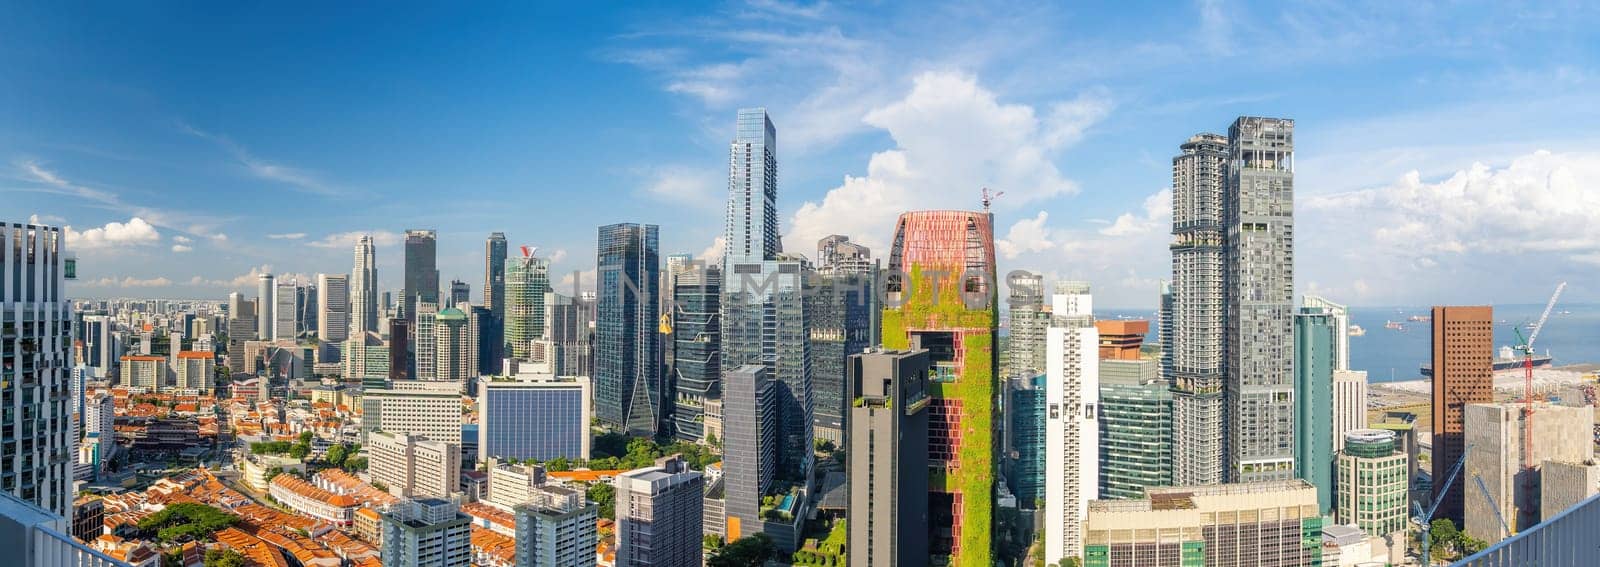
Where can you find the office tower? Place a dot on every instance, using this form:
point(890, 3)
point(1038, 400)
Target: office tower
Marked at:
point(556, 528)
point(1135, 428)
point(194, 370)
point(484, 320)
point(836, 254)
point(697, 338)
point(1463, 373)
point(266, 303)
point(144, 371)
point(306, 307)
point(527, 280)
point(37, 318)
point(428, 409)
point(426, 319)
point(1404, 426)
point(492, 343)
point(959, 329)
point(1313, 398)
point(888, 464)
point(569, 324)
point(400, 350)
point(1024, 429)
point(1258, 213)
point(422, 272)
point(1373, 485)
point(1495, 433)
point(1195, 346)
point(365, 357)
point(1349, 402)
point(386, 305)
point(333, 307)
point(286, 310)
point(460, 293)
point(750, 449)
point(842, 319)
point(659, 515)
point(752, 222)
point(413, 466)
point(364, 308)
point(99, 342)
point(1122, 339)
point(36, 537)
point(430, 532)
point(1341, 327)
point(1072, 430)
point(542, 418)
point(456, 346)
point(627, 346)
point(1231, 525)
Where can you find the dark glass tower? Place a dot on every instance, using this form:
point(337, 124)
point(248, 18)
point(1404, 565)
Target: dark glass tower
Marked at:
point(492, 343)
point(627, 341)
point(697, 336)
point(422, 271)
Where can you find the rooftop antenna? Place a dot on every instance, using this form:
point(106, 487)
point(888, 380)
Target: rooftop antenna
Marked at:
point(989, 197)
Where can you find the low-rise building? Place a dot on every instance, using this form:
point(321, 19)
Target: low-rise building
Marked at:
point(1227, 525)
point(306, 498)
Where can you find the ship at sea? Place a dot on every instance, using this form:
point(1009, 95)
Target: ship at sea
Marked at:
point(1507, 360)
point(1394, 325)
point(1357, 331)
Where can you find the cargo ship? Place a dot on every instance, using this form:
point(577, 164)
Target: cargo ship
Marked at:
point(1507, 360)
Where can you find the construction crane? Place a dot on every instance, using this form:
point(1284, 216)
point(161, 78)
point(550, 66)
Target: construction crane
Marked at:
point(1493, 506)
point(1424, 519)
point(989, 197)
point(1527, 370)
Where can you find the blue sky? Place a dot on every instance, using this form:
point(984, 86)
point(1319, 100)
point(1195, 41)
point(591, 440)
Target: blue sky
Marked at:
point(1436, 144)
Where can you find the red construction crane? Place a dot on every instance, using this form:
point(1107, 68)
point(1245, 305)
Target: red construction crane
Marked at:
point(1527, 369)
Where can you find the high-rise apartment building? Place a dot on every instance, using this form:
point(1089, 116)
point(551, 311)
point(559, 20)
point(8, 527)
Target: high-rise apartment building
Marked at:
point(1341, 326)
point(333, 304)
point(455, 345)
point(556, 528)
point(1194, 336)
point(1463, 373)
point(752, 222)
point(493, 343)
point(144, 371)
point(888, 462)
point(426, 319)
point(540, 418)
point(1229, 525)
point(194, 371)
point(286, 310)
point(842, 318)
point(429, 532)
point(953, 252)
point(266, 304)
point(697, 349)
point(413, 466)
point(37, 366)
point(1373, 486)
point(1314, 332)
point(421, 271)
point(526, 283)
point(364, 308)
point(1029, 317)
point(627, 374)
point(1258, 219)
point(836, 254)
point(1349, 403)
point(1135, 428)
point(1072, 428)
point(659, 515)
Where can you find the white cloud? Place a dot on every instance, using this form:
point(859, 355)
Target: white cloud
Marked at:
point(287, 236)
point(1157, 217)
point(715, 251)
point(557, 256)
point(181, 239)
point(349, 239)
point(953, 137)
point(296, 178)
point(1027, 235)
point(130, 281)
point(687, 186)
point(181, 248)
point(45, 219)
point(114, 234)
point(585, 281)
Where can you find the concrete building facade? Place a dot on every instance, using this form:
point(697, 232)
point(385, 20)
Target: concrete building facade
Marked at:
point(1229, 525)
point(659, 512)
point(1495, 432)
point(1463, 373)
point(889, 392)
point(1072, 428)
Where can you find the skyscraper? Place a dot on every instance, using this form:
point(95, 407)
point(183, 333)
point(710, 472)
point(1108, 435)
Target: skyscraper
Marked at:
point(1463, 373)
point(1135, 428)
point(1314, 331)
point(697, 336)
point(889, 457)
point(1372, 482)
point(958, 327)
point(1025, 346)
point(752, 223)
point(659, 515)
point(1258, 215)
point(524, 284)
point(460, 293)
point(426, 361)
point(836, 254)
point(1341, 327)
point(1072, 430)
point(421, 272)
point(400, 350)
point(266, 302)
point(494, 297)
point(333, 297)
point(455, 345)
point(750, 456)
point(1195, 345)
point(286, 311)
point(364, 308)
point(1349, 403)
point(628, 386)
point(842, 320)
point(569, 323)
point(37, 362)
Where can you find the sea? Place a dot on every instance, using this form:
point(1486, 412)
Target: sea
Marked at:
point(1571, 336)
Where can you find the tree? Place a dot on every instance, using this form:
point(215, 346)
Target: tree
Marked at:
point(1443, 531)
point(299, 451)
point(354, 464)
point(305, 437)
point(712, 542)
point(558, 464)
point(605, 496)
point(219, 557)
point(336, 455)
point(751, 551)
point(272, 472)
point(380, 485)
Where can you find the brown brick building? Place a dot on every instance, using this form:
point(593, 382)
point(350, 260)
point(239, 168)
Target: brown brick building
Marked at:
point(1463, 373)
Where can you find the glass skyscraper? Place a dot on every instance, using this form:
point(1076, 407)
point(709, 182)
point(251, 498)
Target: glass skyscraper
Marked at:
point(697, 336)
point(1025, 428)
point(492, 343)
point(843, 321)
point(1135, 429)
point(1314, 342)
point(421, 271)
point(627, 346)
point(527, 280)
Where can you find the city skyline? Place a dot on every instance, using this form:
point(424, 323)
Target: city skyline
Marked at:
point(1090, 131)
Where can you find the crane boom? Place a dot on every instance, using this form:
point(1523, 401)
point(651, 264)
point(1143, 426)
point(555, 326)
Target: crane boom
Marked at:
point(1425, 518)
point(1493, 506)
point(1544, 316)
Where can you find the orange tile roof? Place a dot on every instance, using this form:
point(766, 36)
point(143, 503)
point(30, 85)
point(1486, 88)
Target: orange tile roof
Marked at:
point(252, 547)
point(489, 513)
point(196, 354)
point(142, 358)
point(585, 476)
point(500, 547)
point(299, 486)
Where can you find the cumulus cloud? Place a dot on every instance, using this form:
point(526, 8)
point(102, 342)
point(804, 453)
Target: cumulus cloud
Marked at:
point(181, 248)
point(287, 236)
point(349, 239)
point(181, 239)
point(114, 234)
point(1157, 216)
point(715, 251)
point(687, 186)
point(952, 137)
point(1027, 235)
